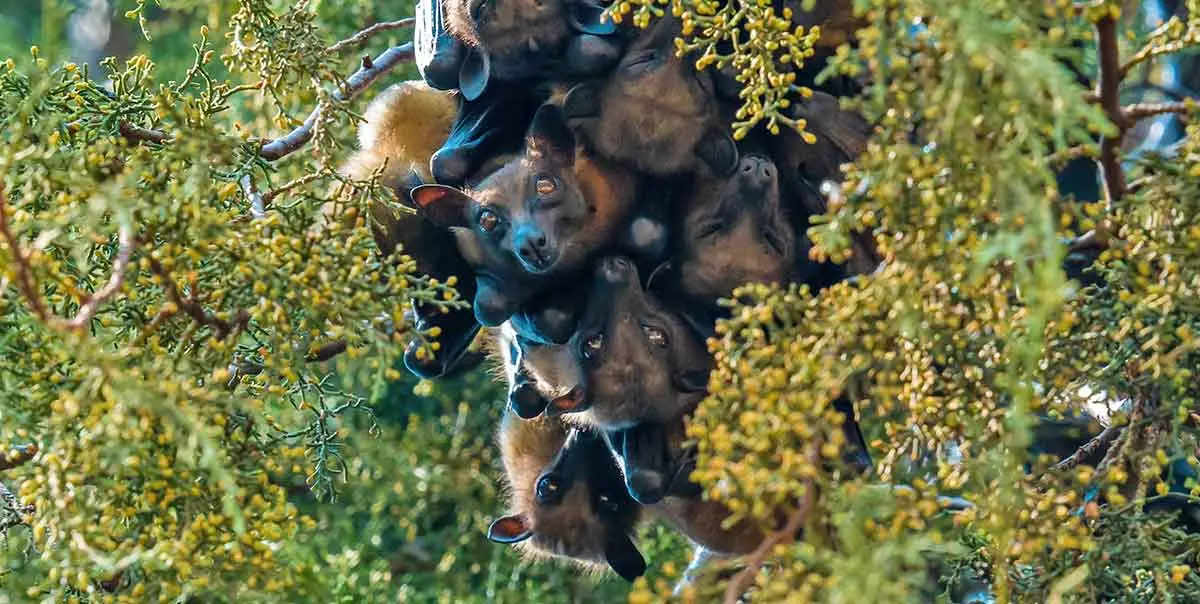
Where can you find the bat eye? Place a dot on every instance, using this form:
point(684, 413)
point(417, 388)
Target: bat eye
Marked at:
point(546, 185)
point(656, 336)
point(488, 220)
point(548, 490)
point(709, 229)
point(593, 346)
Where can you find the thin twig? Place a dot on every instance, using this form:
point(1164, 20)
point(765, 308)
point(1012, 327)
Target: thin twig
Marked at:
point(1094, 239)
point(137, 133)
point(362, 36)
point(1151, 50)
point(1144, 110)
point(1108, 88)
point(754, 560)
point(270, 196)
point(327, 351)
point(193, 308)
point(1102, 441)
point(19, 455)
point(21, 264)
point(289, 143)
point(258, 206)
point(355, 84)
point(1076, 152)
point(89, 306)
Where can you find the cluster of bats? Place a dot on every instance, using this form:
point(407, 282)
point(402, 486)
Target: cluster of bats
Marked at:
point(587, 191)
point(580, 179)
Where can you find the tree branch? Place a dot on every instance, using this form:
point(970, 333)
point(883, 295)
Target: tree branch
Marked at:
point(18, 456)
point(20, 262)
point(754, 560)
point(137, 133)
point(289, 143)
point(1144, 110)
point(88, 306)
point(1108, 88)
point(327, 351)
point(193, 308)
point(1150, 50)
point(362, 36)
point(258, 206)
point(355, 84)
point(1101, 442)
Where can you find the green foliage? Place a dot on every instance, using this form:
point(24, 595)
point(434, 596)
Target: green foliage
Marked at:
point(202, 343)
point(198, 340)
point(969, 330)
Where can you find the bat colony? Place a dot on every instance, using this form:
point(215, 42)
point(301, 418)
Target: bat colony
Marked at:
point(586, 178)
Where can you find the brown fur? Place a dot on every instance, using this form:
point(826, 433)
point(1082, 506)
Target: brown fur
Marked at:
point(655, 108)
point(835, 17)
point(403, 126)
point(510, 31)
point(747, 209)
point(841, 136)
point(697, 519)
point(569, 529)
point(527, 448)
point(553, 368)
point(700, 521)
point(632, 379)
point(608, 192)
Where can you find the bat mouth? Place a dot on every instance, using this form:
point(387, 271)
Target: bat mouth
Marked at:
point(538, 261)
point(570, 402)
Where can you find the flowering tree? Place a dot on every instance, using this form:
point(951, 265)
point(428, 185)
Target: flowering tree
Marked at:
point(200, 339)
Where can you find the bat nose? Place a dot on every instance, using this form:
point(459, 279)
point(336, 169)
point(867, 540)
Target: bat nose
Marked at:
point(616, 269)
point(533, 249)
point(759, 169)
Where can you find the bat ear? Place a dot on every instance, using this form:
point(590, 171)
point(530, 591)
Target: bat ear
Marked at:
point(510, 529)
point(624, 558)
point(718, 151)
point(474, 74)
point(444, 206)
point(589, 18)
point(550, 137)
point(690, 380)
point(581, 101)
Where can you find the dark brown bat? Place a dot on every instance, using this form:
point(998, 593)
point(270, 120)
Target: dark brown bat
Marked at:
point(655, 111)
point(539, 217)
point(567, 497)
point(640, 360)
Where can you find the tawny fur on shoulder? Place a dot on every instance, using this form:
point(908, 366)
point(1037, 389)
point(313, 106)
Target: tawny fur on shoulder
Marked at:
point(404, 126)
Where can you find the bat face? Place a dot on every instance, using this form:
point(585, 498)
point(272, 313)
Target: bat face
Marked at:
point(537, 218)
point(735, 232)
point(577, 507)
point(655, 111)
point(538, 374)
point(520, 37)
point(639, 360)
